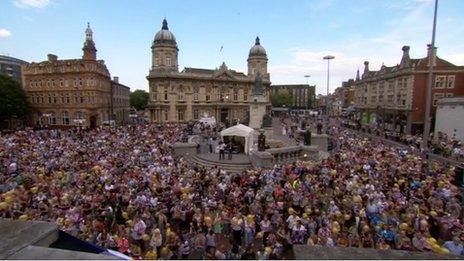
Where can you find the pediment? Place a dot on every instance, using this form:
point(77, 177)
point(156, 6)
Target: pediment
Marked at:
point(224, 75)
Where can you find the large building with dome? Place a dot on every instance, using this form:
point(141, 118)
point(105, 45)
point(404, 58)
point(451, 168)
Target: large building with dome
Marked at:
point(190, 94)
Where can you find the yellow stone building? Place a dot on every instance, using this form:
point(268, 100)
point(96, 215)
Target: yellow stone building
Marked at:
point(193, 93)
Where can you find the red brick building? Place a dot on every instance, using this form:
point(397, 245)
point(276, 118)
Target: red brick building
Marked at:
point(393, 98)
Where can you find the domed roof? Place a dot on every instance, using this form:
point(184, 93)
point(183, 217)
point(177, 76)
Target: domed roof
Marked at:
point(164, 35)
point(257, 49)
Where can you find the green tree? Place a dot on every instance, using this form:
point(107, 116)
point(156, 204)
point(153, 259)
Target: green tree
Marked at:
point(139, 99)
point(13, 102)
point(281, 99)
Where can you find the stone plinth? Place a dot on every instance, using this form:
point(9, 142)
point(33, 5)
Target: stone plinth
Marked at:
point(320, 140)
point(261, 159)
point(187, 150)
point(257, 111)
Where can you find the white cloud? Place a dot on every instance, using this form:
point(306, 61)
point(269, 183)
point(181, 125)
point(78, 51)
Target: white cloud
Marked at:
point(31, 3)
point(413, 29)
point(4, 33)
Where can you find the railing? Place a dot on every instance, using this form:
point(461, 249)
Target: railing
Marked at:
point(286, 155)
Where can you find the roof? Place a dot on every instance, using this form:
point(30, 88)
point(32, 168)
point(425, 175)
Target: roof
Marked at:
point(12, 60)
point(238, 130)
point(198, 70)
point(451, 101)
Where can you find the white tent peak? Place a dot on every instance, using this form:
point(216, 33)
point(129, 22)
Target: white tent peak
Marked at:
point(241, 131)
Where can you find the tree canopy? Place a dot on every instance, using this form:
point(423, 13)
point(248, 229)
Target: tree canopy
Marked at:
point(139, 99)
point(281, 99)
point(13, 101)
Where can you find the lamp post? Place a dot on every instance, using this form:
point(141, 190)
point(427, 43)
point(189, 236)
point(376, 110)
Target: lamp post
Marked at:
point(328, 58)
point(307, 91)
point(428, 97)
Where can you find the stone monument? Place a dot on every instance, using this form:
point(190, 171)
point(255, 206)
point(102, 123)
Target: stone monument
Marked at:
point(258, 104)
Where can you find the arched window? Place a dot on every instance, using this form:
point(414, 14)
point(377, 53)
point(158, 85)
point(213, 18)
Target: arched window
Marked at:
point(65, 118)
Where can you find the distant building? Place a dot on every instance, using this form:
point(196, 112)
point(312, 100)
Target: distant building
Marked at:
point(449, 117)
point(12, 67)
point(393, 98)
point(120, 102)
point(74, 92)
point(303, 95)
point(192, 93)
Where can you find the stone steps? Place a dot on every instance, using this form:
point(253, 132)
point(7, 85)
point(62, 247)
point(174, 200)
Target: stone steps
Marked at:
point(228, 167)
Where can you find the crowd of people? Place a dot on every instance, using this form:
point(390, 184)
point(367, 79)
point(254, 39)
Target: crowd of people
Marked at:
point(440, 144)
point(122, 189)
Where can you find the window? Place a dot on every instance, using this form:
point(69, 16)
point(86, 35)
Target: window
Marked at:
point(448, 95)
point(436, 97)
point(79, 115)
point(52, 118)
point(440, 82)
point(180, 115)
point(245, 95)
point(180, 96)
point(450, 82)
point(67, 98)
point(166, 115)
point(168, 61)
point(208, 97)
point(195, 93)
point(235, 95)
point(65, 118)
point(165, 93)
point(195, 114)
point(81, 99)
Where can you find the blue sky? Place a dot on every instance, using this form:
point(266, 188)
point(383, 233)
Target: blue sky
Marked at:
point(295, 33)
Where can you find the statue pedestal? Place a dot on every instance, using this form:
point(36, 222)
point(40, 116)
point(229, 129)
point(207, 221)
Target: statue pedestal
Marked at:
point(257, 111)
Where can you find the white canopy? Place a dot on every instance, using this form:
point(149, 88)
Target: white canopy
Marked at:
point(241, 131)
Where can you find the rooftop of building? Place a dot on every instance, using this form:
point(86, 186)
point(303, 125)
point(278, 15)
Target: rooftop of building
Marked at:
point(4, 58)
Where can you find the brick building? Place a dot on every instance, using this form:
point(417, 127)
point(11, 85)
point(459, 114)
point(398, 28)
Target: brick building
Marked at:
point(72, 92)
point(393, 98)
point(303, 95)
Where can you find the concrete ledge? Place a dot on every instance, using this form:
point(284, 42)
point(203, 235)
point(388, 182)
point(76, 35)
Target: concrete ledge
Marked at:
point(17, 235)
point(261, 159)
point(303, 252)
point(41, 253)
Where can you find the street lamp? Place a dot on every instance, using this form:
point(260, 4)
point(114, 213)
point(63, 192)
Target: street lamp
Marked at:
point(307, 91)
point(328, 58)
point(428, 97)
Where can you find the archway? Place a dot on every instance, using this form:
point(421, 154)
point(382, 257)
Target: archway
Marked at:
point(93, 121)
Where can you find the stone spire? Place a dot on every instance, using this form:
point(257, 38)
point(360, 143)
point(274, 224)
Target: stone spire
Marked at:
point(366, 69)
point(357, 75)
point(405, 60)
point(90, 52)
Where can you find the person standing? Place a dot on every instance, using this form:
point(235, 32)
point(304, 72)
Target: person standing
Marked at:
point(210, 144)
point(221, 148)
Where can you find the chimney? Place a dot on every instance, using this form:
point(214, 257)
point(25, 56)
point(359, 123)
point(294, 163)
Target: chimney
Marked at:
point(434, 55)
point(366, 69)
point(116, 79)
point(52, 57)
point(405, 60)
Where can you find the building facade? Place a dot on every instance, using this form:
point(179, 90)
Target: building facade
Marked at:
point(303, 95)
point(74, 92)
point(393, 98)
point(12, 67)
point(194, 93)
point(120, 106)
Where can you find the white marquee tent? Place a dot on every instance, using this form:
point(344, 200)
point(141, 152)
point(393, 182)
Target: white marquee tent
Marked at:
point(241, 131)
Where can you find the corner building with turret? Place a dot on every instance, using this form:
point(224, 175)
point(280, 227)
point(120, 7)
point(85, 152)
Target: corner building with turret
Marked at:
point(193, 93)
